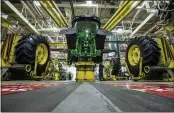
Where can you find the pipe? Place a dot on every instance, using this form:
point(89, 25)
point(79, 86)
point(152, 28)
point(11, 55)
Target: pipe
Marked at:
point(35, 9)
point(72, 8)
point(120, 14)
point(45, 6)
point(126, 11)
point(63, 18)
point(147, 69)
point(54, 12)
point(116, 13)
point(27, 67)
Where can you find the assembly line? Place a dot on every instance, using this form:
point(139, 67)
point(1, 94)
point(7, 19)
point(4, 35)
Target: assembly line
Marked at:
point(87, 56)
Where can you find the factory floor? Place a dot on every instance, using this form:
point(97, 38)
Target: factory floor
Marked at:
point(69, 96)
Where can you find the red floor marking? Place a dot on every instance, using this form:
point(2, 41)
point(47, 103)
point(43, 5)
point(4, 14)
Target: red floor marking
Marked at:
point(15, 88)
point(157, 89)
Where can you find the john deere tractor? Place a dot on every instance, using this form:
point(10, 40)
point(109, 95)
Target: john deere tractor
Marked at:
point(85, 42)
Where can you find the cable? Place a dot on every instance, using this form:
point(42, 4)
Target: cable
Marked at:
point(164, 9)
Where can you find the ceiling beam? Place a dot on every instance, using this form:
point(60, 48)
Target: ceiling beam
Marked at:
point(93, 5)
point(8, 8)
point(143, 23)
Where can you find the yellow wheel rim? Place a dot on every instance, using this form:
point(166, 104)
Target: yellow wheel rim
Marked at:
point(134, 55)
point(42, 53)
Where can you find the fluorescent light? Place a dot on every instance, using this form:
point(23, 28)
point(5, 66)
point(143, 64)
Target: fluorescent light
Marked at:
point(139, 7)
point(89, 2)
point(86, 31)
point(119, 30)
point(135, 3)
point(110, 45)
point(36, 3)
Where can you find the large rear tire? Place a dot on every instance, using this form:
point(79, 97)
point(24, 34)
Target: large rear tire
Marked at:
point(26, 51)
point(144, 47)
point(116, 66)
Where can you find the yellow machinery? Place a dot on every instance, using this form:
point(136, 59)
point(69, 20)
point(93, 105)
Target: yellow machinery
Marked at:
point(26, 57)
point(108, 71)
point(152, 59)
point(9, 41)
point(31, 53)
point(125, 9)
point(109, 75)
point(54, 12)
point(51, 72)
point(85, 71)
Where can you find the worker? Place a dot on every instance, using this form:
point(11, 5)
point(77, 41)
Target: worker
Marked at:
point(70, 76)
point(101, 71)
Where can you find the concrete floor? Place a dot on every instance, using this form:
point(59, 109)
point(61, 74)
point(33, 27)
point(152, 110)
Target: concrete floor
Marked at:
point(89, 97)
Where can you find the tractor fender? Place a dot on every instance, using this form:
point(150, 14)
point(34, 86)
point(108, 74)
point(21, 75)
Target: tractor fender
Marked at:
point(100, 38)
point(68, 31)
point(70, 36)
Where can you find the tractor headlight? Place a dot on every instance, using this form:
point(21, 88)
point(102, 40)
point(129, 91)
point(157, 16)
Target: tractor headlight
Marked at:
point(87, 31)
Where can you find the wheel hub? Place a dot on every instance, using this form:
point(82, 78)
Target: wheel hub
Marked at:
point(134, 55)
point(42, 53)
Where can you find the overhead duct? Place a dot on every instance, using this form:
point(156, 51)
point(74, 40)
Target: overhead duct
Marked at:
point(116, 13)
point(125, 9)
point(63, 18)
point(54, 12)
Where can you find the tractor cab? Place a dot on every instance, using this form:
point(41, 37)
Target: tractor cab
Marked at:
point(87, 24)
point(85, 40)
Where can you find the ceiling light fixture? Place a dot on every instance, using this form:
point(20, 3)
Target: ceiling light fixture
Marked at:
point(134, 4)
point(119, 29)
point(89, 2)
point(36, 3)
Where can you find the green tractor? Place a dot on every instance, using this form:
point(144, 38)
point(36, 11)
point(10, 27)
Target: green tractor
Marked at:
point(85, 40)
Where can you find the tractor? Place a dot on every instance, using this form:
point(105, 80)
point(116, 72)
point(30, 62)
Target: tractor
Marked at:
point(85, 42)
